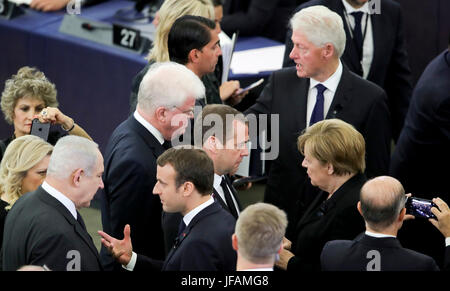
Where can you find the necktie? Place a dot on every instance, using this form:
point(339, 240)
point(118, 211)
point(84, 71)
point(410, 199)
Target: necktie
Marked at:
point(317, 114)
point(80, 221)
point(167, 144)
point(181, 227)
point(228, 198)
point(357, 32)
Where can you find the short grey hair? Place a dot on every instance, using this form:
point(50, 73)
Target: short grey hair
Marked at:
point(260, 229)
point(71, 153)
point(168, 85)
point(382, 199)
point(320, 25)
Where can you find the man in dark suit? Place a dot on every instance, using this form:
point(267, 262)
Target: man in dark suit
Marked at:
point(165, 104)
point(319, 87)
point(375, 49)
point(423, 144)
point(225, 142)
point(44, 226)
point(382, 204)
point(185, 179)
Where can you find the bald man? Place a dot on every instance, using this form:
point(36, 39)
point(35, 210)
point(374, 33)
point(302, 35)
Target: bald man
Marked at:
point(382, 205)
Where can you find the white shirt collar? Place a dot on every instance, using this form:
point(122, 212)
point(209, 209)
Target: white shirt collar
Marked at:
point(217, 181)
point(149, 127)
point(332, 82)
point(349, 8)
point(61, 198)
point(191, 214)
point(378, 235)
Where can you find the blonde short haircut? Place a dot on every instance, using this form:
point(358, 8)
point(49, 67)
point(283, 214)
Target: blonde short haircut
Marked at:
point(260, 229)
point(28, 82)
point(320, 25)
point(21, 155)
point(170, 11)
point(336, 142)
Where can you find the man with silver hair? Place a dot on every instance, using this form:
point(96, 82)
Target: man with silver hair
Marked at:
point(166, 102)
point(258, 237)
point(44, 226)
point(375, 49)
point(382, 205)
point(318, 87)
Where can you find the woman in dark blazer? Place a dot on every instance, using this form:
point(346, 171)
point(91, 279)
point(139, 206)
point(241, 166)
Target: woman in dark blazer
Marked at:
point(334, 154)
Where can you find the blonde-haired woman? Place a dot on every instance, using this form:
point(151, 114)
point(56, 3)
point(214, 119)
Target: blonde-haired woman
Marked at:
point(170, 11)
point(334, 154)
point(22, 170)
point(27, 95)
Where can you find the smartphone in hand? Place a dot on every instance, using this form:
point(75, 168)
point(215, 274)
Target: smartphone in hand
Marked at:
point(40, 129)
point(420, 207)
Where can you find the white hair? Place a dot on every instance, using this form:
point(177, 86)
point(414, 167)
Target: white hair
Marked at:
point(71, 153)
point(320, 25)
point(168, 84)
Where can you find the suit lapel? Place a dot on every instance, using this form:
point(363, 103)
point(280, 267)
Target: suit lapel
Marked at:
point(377, 27)
point(54, 203)
point(150, 140)
point(342, 95)
point(233, 192)
point(301, 88)
point(219, 199)
point(201, 215)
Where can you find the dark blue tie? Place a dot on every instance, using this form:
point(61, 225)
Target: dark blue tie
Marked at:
point(181, 227)
point(357, 32)
point(317, 114)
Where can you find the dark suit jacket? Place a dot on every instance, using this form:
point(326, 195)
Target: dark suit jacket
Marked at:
point(205, 245)
point(257, 17)
point(129, 178)
point(325, 220)
point(171, 221)
point(356, 101)
point(423, 145)
point(41, 230)
point(353, 255)
point(390, 67)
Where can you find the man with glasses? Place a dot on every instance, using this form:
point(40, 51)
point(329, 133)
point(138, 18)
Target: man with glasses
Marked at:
point(166, 100)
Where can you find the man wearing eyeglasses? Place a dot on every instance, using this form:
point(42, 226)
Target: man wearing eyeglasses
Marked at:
point(166, 100)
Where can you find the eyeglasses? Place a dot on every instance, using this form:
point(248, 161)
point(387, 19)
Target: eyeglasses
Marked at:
point(189, 112)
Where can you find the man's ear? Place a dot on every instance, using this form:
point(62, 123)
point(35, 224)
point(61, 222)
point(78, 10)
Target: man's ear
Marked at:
point(234, 242)
point(328, 50)
point(161, 114)
point(188, 188)
point(358, 206)
point(193, 56)
point(76, 177)
point(211, 143)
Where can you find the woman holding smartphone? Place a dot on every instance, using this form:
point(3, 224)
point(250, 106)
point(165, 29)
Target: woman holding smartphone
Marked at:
point(28, 95)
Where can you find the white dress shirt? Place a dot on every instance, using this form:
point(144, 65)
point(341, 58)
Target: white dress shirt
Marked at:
point(368, 49)
point(61, 198)
point(149, 127)
point(218, 188)
point(379, 235)
point(331, 84)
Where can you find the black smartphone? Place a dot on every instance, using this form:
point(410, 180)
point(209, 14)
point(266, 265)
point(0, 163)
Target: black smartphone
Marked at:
point(420, 207)
point(40, 129)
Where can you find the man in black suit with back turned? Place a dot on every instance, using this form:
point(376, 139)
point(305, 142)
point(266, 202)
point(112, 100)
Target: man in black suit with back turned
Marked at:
point(184, 184)
point(424, 143)
point(166, 100)
point(382, 204)
point(375, 49)
point(44, 226)
point(319, 87)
